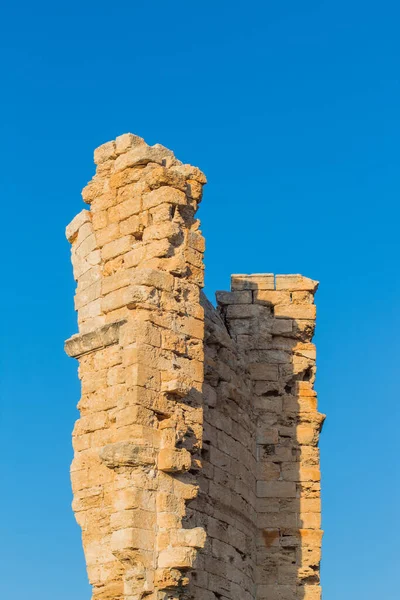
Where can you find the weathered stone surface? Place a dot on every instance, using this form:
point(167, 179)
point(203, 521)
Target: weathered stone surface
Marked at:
point(107, 335)
point(256, 281)
point(176, 387)
point(127, 454)
point(295, 283)
point(196, 446)
point(173, 460)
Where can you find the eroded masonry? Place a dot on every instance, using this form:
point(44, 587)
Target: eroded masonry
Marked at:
point(196, 468)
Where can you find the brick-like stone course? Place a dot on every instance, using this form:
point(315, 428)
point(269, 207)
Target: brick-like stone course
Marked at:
point(196, 467)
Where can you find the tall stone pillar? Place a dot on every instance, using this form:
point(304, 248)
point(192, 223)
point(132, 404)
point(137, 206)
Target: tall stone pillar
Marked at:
point(138, 262)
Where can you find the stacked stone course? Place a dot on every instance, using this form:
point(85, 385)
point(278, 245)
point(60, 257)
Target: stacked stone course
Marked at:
point(196, 447)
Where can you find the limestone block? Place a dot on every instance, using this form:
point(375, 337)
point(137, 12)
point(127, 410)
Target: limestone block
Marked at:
point(305, 388)
point(126, 141)
point(126, 454)
point(116, 299)
point(170, 504)
point(164, 194)
point(190, 172)
point(130, 498)
point(269, 297)
point(267, 436)
point(103, 201)
point(133, 225)
point(126, 209)
point(137, 518)
point(302, 297)
point(264, 372)
point(311, 592)
point(296, 472)
point(89, 294)
point(117, 247)
point(169, 578)
point(311, 537)
point(307, 434)
point(295, 311)
point(135, 414)
point(88, 278)
point(107, 234)
point(194, 538)
point(180, 557)
point(242, 297)
point(153, 278)
point(194, 190)
point(77, 222)
point(173, 460)
point(86, 247)
point(295, 282)
point(282, 326)
point(310, 520)
point(276, 489)
point(256, 281)
point(93, 190)
point(196, 241)
point(104, 153)
point(100, 338)
point(161, 176)
point(142, 155)
point(307, 350)
point(123, 540)
point(175, 387)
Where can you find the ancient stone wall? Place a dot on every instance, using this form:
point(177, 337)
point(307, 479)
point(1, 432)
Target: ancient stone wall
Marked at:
point(196, 468)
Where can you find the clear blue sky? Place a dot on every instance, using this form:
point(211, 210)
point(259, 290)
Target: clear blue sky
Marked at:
point(292, 110)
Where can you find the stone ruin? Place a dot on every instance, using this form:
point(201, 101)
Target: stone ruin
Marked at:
point(196, 467)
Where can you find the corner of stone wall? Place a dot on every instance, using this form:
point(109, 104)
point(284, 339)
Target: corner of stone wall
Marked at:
point(137, 255)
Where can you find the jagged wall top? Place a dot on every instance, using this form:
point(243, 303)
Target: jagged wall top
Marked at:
point(128, 151)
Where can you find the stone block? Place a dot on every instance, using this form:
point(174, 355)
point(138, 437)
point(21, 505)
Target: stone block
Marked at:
point(71, 231)
point(178, 558)
point(126, 141)
point(276, 489)
point(107, 335)
point(123, 454)
point(295, 282)
point(104, 153)
point(242, 297)
point(256, 281)
point(173, 460)
point(117, 247)
point(164, 194)
point(125, 540)
point(193, 538)
point(264, 372)
point(295, 311)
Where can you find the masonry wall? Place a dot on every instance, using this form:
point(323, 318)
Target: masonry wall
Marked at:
point(196, 468)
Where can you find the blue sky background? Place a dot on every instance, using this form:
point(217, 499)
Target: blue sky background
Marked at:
point(292, 110)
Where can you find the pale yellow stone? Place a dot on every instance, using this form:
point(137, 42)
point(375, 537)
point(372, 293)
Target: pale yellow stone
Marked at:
point(198, 427)
point(295, 282)
point(296, 311)
point(181, 557)
point(77, 222)
point(117, 247)
point(164, 194)
point(104, 152)
point(256, 281)
point(172, 460)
